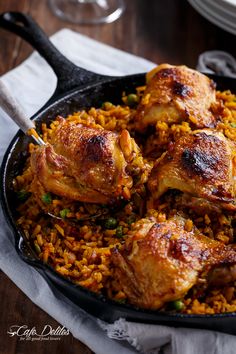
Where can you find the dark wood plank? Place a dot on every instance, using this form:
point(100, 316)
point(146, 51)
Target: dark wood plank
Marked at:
point(17, 309)
point(10, 45)
point(173, 33)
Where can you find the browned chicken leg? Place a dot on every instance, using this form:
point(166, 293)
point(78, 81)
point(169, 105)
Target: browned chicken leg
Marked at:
point(201, 164)
point(174, 94)
point(86, 164)
point(162, 261)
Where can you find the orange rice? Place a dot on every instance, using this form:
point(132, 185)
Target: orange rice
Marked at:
point(82, 251)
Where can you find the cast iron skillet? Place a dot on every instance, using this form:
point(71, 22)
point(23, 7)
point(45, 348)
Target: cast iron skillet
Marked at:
point(77, 89)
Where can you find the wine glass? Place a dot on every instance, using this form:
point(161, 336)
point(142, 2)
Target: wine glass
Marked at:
point(87, 12)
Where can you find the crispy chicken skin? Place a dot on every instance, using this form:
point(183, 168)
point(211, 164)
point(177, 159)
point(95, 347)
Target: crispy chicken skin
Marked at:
point(174, 94)
point(162, 261)
point(85, 164)
point(201, 164)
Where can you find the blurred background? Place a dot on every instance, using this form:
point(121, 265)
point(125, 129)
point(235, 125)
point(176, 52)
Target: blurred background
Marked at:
point(161, 31)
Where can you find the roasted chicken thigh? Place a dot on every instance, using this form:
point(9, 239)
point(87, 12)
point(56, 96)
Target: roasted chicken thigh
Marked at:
point(202, 164)
point(161, 262)
point(175, 94)
point(86, 164)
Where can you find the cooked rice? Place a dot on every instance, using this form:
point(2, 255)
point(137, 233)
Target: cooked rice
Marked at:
point(82, 252)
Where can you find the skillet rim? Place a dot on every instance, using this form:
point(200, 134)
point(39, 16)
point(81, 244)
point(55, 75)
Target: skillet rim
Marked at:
point(45, 268)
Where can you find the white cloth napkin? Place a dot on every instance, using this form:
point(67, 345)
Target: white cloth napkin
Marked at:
point(217, 61)
point(32, 83)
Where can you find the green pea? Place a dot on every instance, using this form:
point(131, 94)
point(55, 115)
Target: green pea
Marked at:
point(107, 105)
point(119, 231)
point(64, 212)
point(47, 198)
point(23, 195)
point(177, 305)
point(233, 125)
point(110, 223)
point(132, 99)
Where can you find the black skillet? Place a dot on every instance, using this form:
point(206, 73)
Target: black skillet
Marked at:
point(76, 89)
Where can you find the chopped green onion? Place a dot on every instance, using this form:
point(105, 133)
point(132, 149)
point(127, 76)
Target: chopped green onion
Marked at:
point(132, 99)
point(119, 231)
point(37, 248)
point(64, 212)
point(47, 198)
point(110, 223)
point(233, 125)
point(23, 195)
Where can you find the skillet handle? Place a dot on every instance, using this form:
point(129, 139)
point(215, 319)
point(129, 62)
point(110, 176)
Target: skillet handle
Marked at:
point(68, 74)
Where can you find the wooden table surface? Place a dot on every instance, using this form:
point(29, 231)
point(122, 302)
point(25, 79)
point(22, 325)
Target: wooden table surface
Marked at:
point(162, 31)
